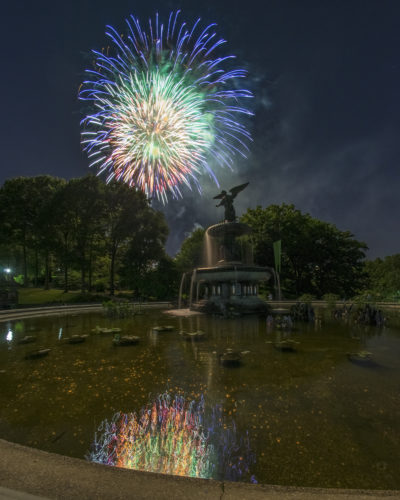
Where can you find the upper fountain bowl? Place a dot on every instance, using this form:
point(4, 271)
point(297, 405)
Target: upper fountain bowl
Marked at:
point(228, 228)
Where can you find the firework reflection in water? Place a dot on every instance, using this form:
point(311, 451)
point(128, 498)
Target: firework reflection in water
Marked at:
point(175, 436)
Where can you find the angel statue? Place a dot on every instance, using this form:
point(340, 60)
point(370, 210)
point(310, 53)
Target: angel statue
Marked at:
point(227, 201)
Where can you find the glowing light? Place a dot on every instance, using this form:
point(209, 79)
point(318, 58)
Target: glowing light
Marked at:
point(7, 270)
point(174, 436)
point(163, 104)
point(9, 336)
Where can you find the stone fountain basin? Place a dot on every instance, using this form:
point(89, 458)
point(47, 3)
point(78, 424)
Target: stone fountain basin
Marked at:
point(233, 272)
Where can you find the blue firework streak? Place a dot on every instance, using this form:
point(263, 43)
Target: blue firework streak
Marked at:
point(163, 103)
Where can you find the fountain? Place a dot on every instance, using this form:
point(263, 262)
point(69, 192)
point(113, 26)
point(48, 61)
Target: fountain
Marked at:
point(229, 284)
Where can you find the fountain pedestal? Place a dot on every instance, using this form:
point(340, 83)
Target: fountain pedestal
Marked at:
point(230, 282)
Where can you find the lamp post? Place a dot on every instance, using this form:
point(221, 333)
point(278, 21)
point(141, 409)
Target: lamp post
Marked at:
point(7, 273)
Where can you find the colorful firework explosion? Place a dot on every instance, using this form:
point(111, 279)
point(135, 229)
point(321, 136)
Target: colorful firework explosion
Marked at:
point(174, 436)
point(164, 105)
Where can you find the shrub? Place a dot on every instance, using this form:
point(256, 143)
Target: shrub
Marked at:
point(100, 285)
point(331, 299)
point(306, 298)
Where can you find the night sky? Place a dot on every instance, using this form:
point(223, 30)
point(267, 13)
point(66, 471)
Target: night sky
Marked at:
point(326, 80)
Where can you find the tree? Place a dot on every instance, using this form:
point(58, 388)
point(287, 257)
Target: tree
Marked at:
point(384, 277)
point(85, 204)
point(164, 279)
point(86, 226)
point(65, 218)
point(16, 215)
point(131, 224)
point(23, 214)
point(145, 251)
point(317, 258)
point(191, 254)
point(43, 234)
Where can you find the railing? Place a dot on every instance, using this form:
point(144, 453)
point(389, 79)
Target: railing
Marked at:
point(339, 303)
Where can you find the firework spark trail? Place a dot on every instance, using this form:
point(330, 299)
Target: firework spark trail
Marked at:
point(174, 436)
point(161, 107)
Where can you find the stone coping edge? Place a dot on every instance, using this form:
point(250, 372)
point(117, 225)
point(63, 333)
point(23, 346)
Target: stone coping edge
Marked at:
point(31, 312)
point(324, 303)
point(53, 476)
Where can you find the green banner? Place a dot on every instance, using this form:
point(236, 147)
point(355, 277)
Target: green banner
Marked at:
point(277, 255)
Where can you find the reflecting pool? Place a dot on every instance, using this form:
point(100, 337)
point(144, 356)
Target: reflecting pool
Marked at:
point(310, 417)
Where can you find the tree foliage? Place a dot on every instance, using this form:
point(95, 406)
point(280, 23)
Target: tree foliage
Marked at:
point(191, 254)
point(52, 227)
point(24, 208)
point(317, 258)
point(384, 277)
point(134, 225)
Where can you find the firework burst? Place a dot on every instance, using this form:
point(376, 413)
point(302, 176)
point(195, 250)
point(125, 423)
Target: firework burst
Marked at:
point(162, 105)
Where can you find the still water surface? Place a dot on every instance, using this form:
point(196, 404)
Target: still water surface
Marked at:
point(313, 417)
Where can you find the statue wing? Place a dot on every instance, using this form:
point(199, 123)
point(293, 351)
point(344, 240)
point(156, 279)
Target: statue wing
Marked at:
point(219, 196)
point(235, 190)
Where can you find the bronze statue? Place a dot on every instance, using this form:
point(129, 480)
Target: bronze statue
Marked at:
point(227, 201)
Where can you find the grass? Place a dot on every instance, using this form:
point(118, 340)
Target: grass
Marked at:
point(34, 296)
point(38, 296)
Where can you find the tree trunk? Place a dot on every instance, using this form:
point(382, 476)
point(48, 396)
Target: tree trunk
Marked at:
point(25, 263)
point(65, 277)
point(83, 273)
point(112, 269)
point(90, 265)
point(66, 263)
point(36, 266)
point(47, 270)
point(83, 278)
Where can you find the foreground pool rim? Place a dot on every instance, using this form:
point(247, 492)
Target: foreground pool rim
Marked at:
point(35, 472)
point(48, 475)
